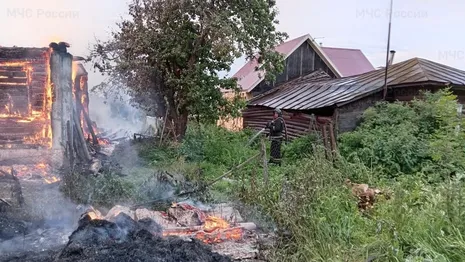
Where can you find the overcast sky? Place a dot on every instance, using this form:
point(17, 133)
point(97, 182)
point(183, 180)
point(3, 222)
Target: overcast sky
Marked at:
point(430, 29)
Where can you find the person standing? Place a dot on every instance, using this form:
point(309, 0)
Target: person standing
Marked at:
point(277, 126)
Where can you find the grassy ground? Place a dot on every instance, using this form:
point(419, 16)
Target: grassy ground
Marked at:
point(411, 151)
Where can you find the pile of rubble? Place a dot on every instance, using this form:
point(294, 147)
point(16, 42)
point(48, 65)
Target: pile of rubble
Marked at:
point(123, 239)
point(184, 232)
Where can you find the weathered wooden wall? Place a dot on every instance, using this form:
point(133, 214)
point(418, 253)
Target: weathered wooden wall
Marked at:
point(27, 67)
point(298, 123)
point(301, 62)
point(23, 80)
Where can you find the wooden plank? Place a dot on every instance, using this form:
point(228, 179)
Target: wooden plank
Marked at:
point(37, 83)
point(20, 93)
point(22, 52)
point(39, 79)
point(13, 80)
point(13, 73)
point(10, 68)
point(39, 73)
point(40, 68)
point(5, 86)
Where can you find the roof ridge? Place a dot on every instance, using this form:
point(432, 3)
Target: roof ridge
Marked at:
point(343, 48)
point(422, 67)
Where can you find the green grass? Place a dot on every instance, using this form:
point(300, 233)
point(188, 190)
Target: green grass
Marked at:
point(306, 197)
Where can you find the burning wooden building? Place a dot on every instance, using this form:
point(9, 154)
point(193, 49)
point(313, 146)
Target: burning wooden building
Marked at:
point(43, 105)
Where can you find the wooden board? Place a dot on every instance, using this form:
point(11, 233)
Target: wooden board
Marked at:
point(13, 73)
point(13, 80)
point(10, 68)
point(3, 86)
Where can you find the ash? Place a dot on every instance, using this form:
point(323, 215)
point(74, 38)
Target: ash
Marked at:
point(37, 240)
point(123, 239)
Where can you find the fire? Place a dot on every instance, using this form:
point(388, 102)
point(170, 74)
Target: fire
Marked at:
point(220, 235)
point(214, 223)
point(51, 180)
point(47, 106)
point(21, 74)
point(41, 171)
point(214, 230)
point(41, 165)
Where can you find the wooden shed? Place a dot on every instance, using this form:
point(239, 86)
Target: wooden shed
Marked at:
point(337, 104)
point(302, 56)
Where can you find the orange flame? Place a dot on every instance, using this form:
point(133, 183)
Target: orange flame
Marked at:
point(51, 180)
point(214, 230)
point(40, 118)
point(213, 223)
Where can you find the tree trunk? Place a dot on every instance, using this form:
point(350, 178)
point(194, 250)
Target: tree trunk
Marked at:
point(177, 121)
point(181, 126)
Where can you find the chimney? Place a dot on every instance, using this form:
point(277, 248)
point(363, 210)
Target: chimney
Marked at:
point(391, 59)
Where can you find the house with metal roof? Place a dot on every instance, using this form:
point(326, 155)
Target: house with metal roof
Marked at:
point(302, 56)
point(337, 104)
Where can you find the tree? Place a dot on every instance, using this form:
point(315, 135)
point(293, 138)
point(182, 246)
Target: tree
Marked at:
point(173, 50)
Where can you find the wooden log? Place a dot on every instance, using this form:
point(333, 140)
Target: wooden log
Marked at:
point(70, 143)
point(81, 90)
point(7, 86)
point(38, 74)
point(56, 65)
point(80, 154)
point(77, 95)
point(90, 127)
point(20, 80)
point(13, 74)
point(10, 68)
point(39, 83)
point(81, 141)
point(67, 101)
point(22, 53)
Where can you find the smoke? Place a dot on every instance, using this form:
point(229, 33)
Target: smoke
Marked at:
point(45, 221)
point(115, 113)
point(197, 204)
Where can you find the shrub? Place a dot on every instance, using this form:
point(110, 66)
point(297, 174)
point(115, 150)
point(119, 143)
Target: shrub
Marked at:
point(102, 191)
point(299, 148)
point(400, 138)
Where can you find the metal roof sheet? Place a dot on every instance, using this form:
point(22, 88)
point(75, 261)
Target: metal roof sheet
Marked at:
point(311, 94)
point(348, 61)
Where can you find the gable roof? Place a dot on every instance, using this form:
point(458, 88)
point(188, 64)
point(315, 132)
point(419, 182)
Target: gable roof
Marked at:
point(348, 61)
point(315, 76)
point(337, 92)
point(249, 78)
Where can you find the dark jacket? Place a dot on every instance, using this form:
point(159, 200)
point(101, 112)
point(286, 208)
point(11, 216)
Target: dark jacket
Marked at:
point(276, 127)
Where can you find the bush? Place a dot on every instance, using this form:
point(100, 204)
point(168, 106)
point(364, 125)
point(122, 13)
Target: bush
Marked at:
point(299, 148)
point(102, 191)
point(419, 137)
point(215, 145)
